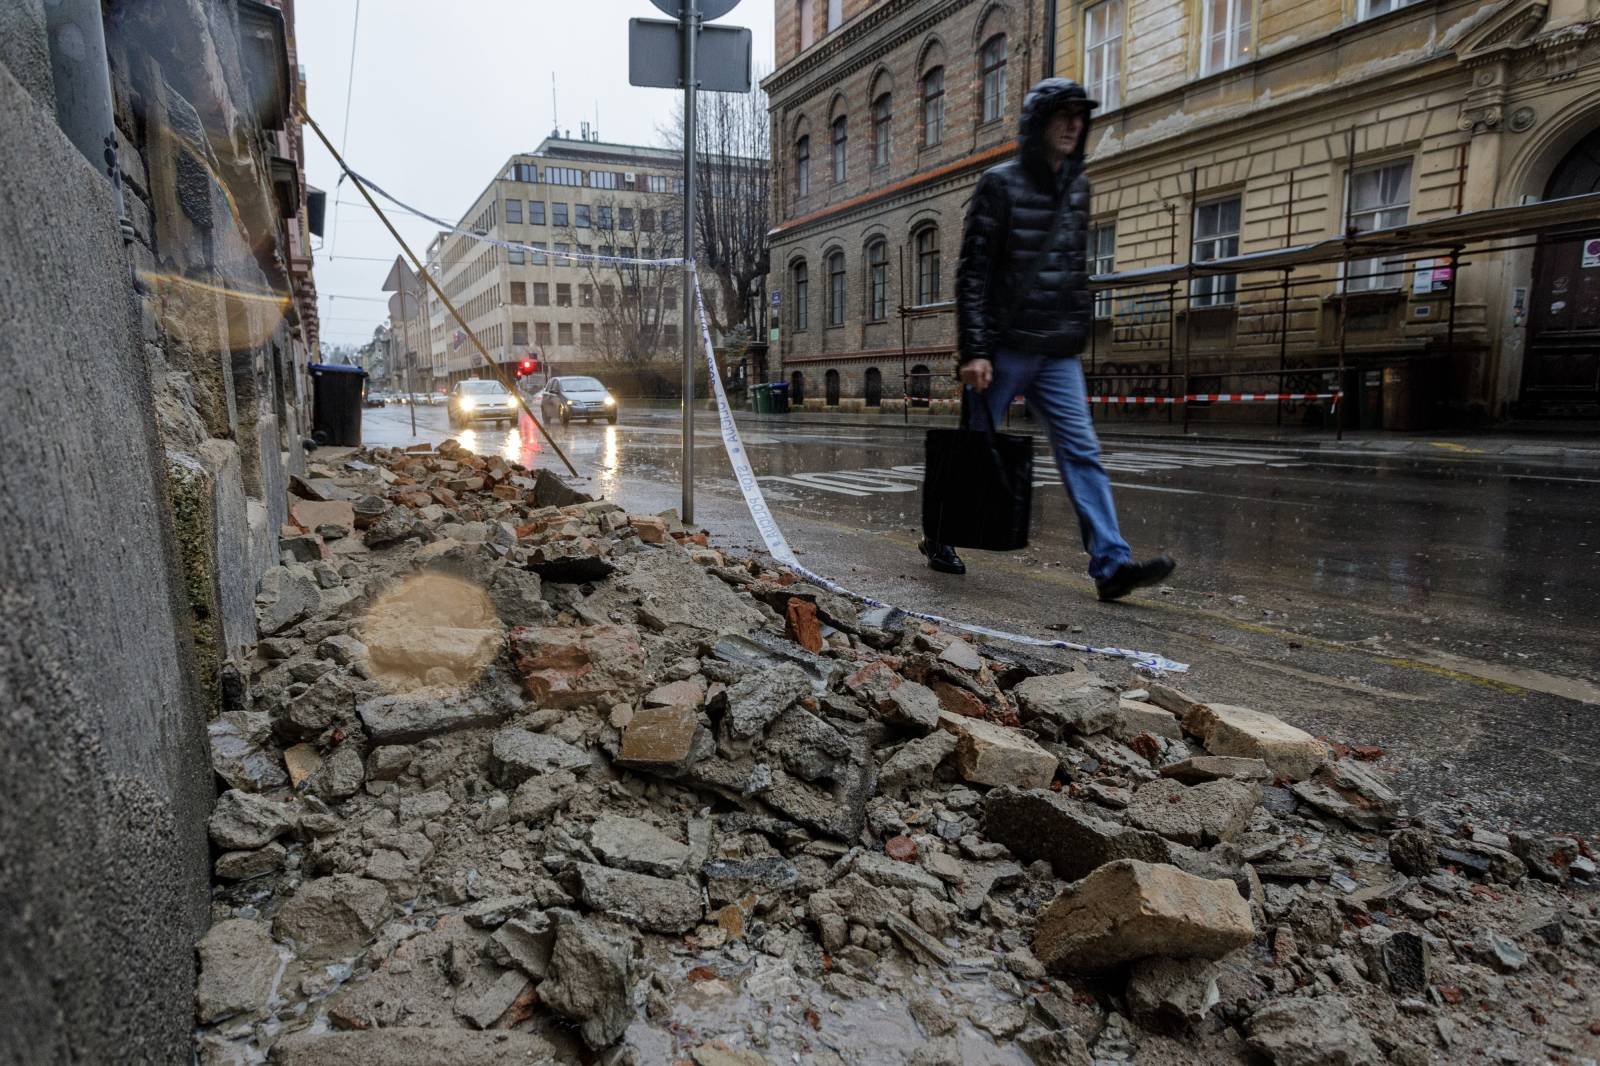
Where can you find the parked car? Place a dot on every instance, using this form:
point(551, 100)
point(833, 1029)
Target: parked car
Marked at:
point(375, 399)
point(479, 400)
point(567, 398)
point(437, 399)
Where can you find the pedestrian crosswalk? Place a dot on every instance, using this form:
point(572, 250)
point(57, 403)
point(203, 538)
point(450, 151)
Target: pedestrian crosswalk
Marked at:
point(876, 480)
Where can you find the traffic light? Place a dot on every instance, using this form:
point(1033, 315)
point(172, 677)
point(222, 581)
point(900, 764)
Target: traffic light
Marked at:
point(526, 367)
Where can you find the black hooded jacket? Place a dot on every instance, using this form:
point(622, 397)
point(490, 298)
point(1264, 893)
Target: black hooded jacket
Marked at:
point(1008, 226)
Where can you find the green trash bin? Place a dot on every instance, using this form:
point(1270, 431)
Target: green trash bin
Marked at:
point(761, 398)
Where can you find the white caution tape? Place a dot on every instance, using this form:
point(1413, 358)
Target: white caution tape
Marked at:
point(513, 246)
point(778, 545)
point(1218, 397)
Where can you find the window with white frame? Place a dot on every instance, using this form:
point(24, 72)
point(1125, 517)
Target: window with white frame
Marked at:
point(1377, 197)
point(1374, 8)
point(927, 266)
point(836, 289)
point(1102, 53)
point(808, 24)
point(877, 281)
point(841, 142)
point(993, 61)
point(835, 14)
point(1225, 34)
point(1102, 260)
point(1216, 236)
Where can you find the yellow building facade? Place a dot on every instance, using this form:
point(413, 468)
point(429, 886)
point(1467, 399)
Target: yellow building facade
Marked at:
point(1231, 127)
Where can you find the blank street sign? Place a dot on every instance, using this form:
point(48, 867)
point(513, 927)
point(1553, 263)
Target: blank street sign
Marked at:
point(655, 58)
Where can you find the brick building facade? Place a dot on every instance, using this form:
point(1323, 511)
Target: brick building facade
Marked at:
point(883, 116)
point(1228, 127)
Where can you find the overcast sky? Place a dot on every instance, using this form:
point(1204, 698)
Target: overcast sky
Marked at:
point(442, 96)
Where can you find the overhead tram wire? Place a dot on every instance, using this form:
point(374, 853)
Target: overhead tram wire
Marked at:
point(422, 272)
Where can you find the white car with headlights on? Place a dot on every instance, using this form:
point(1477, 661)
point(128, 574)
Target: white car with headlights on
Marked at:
point(567, 398)
point(480, 400)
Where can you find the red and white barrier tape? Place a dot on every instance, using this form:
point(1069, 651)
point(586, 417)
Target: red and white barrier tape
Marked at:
point(1217, 397)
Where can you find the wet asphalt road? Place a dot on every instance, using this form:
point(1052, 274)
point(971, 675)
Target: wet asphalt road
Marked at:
point(1443, 608)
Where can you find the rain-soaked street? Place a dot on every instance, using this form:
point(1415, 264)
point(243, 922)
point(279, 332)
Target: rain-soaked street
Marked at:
point(1439, 606)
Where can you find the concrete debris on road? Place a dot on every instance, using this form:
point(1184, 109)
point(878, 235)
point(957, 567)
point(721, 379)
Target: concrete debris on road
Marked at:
point(521, 776)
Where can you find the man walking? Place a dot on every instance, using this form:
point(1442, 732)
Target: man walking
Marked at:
point(1024, 311)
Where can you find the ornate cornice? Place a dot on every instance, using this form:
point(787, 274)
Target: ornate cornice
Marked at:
point(868, 32)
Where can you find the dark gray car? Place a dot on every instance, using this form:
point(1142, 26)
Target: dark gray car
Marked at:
point(567, 398)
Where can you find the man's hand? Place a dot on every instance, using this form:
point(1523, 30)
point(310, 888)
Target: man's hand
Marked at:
point(977, 373)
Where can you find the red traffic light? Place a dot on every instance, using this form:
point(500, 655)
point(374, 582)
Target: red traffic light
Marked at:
point(526, 367)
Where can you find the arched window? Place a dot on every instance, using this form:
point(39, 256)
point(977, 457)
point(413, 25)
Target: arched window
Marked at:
point(841, 138)
point(880, 130)
point(836, 289)
point(878, 280)
point(801, 295)
point(920, 385)
point(802, 167)
point(933, 107)
point(797, 388)
point(831, 385)
point(874, 386)
point(928, 265)
point(993, 61)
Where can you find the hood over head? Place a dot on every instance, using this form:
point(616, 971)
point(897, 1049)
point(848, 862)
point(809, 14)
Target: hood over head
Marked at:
point(1043, 100)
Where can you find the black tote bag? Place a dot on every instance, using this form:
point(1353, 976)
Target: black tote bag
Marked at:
point(977, 487)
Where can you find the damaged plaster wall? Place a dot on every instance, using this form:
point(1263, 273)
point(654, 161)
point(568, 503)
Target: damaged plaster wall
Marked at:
point(152, 423)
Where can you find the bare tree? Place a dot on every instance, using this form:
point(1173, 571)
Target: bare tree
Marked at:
point(630, 301)
point(732, 210)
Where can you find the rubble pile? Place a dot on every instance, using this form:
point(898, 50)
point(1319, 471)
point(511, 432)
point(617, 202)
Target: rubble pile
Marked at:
point(517, 776)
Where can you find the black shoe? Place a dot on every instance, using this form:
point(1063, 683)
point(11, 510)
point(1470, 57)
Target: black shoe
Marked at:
point(942, 557)
point(1129, 576)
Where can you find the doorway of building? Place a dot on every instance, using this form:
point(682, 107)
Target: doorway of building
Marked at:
point(1563, 364)
point(874, 386)
point(920, 385)
point(831, 384)
point(797, 388)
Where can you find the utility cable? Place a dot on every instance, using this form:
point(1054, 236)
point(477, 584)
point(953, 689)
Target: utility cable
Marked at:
point(344, 138)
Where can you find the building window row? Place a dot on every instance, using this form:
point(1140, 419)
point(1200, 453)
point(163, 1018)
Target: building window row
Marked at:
point(875, 281)
point(1227, 39)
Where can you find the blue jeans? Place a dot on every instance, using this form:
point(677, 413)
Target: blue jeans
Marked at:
point(1055, 389)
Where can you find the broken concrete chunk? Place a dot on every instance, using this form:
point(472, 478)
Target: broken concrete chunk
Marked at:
point(525, 943)
point(754, 702)
point(1199, 769)
point(1311, 1031)
point(915, 763)
point(652, 903)
point(243, 821)
point(516, 754)
point(661, 739)
point(1075, 703)
point(286, 595)
point(241, 752)
point(485, 1005)
point(1229, 730)
point(810, 748)
point(407, 719)
point(339, 776)
point(562, 667)
point(1194, 815)
point(690, 692)
point(537, 798)
point(243, 865)
point(629, 844)
point(990, 754)
point(590, 980)
point(333, 916)
point(1128, 910)
point(911, 706)
point(239, 966)
point(1167, 993)
point(961, 655)
point(1135, 717)
point(1351, 793)
point(1070, 835)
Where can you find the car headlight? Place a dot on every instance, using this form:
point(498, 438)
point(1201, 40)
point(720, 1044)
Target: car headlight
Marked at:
point(610, 401)
point(468, 403)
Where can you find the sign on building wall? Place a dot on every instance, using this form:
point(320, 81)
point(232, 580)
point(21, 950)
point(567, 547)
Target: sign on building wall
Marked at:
point(1591, 252)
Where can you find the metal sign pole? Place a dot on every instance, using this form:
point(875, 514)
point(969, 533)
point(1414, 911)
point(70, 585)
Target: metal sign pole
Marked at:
point(689, 19)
